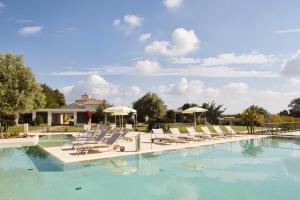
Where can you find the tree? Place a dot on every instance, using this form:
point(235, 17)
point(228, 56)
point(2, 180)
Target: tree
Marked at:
point(294, 108)
point(100, 115)
point(189, 118)
point(170, 116)
point(19, 91)
point(151, 106)
point(188, 105)
point(250, 116)
point(54, 98)
point(214, 111)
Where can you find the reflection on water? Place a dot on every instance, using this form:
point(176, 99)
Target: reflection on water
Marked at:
point(240, 170)
point(252, 148)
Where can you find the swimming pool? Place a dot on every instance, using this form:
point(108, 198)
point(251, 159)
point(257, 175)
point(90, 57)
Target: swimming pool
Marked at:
point(262, 169)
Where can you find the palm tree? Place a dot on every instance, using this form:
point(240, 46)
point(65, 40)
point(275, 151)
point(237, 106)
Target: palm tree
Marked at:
point(250, 116)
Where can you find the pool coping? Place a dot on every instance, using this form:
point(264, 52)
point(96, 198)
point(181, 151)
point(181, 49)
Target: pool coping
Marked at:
point(55, 151)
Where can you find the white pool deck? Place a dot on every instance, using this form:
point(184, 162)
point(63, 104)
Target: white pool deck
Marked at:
point(67, 155)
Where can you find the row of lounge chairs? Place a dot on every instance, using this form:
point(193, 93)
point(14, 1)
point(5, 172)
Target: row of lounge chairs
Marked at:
point(97, 141)
point(176, 136)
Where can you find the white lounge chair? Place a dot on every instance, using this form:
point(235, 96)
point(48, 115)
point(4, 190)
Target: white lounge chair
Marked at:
point(161, 137)
point(176, 133)
point(219, 131)
point(191, 131)
point(110, 142)
point(128, 126)
point(207, 133)
point(231, 131)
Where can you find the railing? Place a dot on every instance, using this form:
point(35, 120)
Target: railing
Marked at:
point(281, 127)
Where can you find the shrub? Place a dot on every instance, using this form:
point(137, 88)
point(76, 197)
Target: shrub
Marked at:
point(38, 120)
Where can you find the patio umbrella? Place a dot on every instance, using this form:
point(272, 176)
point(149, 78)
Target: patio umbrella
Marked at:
point(119, 111)
point(194, 110)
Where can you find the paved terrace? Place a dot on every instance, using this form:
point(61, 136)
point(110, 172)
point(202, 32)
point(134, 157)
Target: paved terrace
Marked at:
point(67, 155)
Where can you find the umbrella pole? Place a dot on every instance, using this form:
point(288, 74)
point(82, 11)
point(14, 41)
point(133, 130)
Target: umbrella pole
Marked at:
point(195, 123)
point(122, 122)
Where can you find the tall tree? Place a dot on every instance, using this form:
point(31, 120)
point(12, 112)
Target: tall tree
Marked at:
point(252, 116)
point(170, 116)
point(19, 91)
point(100, 115)
point(151, 106)
point(294, 108)
point(214, 111)
point(54, 98)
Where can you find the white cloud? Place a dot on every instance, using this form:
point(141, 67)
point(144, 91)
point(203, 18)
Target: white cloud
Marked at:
point(133, 91)
point(147, 67)
point(24, 21)
point(187, 91)
point(291, 67)
point(74, 73)
point(153, 68)
point(294, 81)
point(237, 86)
point(94, 84)
point(171, 4)
point(145, 37)
point(253, 58)
point(289, 30)
point(129, 23)
point(183, 42)
point(30, 30)
point(2, 6)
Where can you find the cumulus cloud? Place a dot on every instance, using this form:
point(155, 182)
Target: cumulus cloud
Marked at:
point(237, 86)
point(186, 90)
point(128, 23)
point(182, 42)
point(291, 67)
point(30, 30)
point(171, 4)
point(133, 91)
point(145, 37)
point(94, 84)
point(147, 67)
point(294, 81)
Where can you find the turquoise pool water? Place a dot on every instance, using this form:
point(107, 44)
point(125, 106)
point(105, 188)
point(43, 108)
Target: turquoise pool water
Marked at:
point(261, 169)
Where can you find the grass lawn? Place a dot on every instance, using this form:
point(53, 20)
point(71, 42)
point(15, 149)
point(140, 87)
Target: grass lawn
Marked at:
point(13, 130)
point(182, 128)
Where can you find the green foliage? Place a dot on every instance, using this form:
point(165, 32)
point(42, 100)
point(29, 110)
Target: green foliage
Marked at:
point(170, 116)
point(150, 105)
point(188, 105)
point(99, 116)
point(19, 91)
point(214, 111)
point(294, 108)
point(189, 118)
point(38, 120)
point(54, 98)
point(252, 116)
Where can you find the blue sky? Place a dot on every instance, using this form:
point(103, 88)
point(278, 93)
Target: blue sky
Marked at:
point(236, 52)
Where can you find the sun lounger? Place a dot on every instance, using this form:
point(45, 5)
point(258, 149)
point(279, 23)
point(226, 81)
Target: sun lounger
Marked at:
point(161, 137)
point(207, 133)
point(191, 131)
point(175, 132)
point(128, 127)
point(231, 131)
point(97, 139)
point(86, 148)
point(219, 132)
